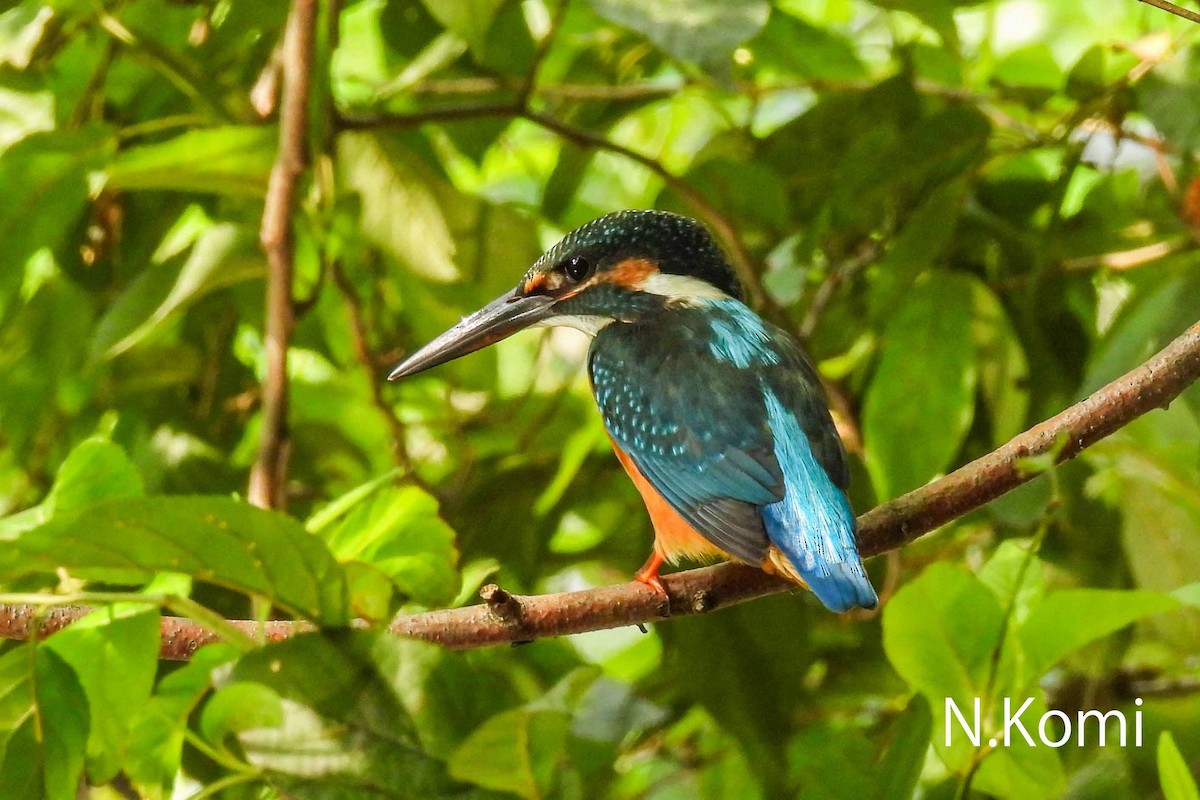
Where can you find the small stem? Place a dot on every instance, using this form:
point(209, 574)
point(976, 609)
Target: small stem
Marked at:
point(1190, 16)
point(268, 477)
point(216, 787)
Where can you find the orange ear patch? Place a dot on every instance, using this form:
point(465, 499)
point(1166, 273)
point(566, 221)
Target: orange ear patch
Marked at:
point(631, 272)
point(535, 284)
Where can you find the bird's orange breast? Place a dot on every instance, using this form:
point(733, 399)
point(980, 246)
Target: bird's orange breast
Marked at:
point(674, 538)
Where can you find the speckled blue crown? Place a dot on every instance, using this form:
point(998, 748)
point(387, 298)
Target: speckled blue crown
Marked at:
point(680, 245)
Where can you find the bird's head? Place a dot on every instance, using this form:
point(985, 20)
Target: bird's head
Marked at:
point(617, 268)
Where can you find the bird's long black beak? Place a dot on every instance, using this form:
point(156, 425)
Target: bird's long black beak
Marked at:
point(498, 320)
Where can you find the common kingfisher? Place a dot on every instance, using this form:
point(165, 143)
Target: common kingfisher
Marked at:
point(717, 415)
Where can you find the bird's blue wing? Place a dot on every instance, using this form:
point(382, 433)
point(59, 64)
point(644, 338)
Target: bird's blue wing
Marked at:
point(695, 430)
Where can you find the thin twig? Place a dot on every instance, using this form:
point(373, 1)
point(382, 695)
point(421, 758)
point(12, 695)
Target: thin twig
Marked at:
point(483, 85)
point(887, 527)
point(1190, 16)
point(268, 477)
point(1129, 259)
point(371, 366)
point(350, 121)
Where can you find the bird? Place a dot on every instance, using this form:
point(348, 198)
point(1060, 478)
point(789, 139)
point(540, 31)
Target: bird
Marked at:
point(717, 416)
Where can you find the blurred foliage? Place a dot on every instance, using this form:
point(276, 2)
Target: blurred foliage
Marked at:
point(977, 213)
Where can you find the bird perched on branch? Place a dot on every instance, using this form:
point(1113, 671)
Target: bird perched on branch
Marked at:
point(717, 416)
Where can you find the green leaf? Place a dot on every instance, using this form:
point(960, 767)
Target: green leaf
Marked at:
point(705, 32)
point(831, 761)
point(232, 160)
point(1021, 770)
point(901, 767)
point(16, 693)
point(223, 255)
point(114, 652)
point(922, 399)
point(1165, 96)
point(399, 531)
point(1067, 620)
point(1017, 577)
point(515, 751)
point(340, 506)
point(1151, 319)
point(1176, 779)
point(794, 48)
point(917, 247)
point(44, 178)
point(1003, 369)
point(343, 723)
point(400, 212)
point(1150, 472)
point(95, 470)
point(63, 724)
point(157, 732)
point(1031, 72)
point(238, 707)
point(937, 14)
point(940, 633)
point(212, 539)
point(470, 19)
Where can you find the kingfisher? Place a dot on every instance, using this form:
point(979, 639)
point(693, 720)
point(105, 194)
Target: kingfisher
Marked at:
point(717, 416)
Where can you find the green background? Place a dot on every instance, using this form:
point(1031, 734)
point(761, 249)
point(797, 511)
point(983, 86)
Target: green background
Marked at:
point(975, 214)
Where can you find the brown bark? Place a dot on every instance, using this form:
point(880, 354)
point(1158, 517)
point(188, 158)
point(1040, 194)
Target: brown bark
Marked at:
point(504, 617)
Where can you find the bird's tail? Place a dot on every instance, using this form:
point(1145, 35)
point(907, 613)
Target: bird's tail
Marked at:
point(845, 587)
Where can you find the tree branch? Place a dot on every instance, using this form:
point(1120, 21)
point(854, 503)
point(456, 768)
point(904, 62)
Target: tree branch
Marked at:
point(1190, 16)
point(268, 476)
point(505, 617)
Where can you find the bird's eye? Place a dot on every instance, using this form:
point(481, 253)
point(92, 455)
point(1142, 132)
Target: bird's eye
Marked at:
point(576, 268)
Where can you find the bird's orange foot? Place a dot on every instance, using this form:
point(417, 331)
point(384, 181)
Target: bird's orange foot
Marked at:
point(648, 574)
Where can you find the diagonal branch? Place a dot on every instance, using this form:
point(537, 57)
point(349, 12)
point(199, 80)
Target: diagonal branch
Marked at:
point(1163, 5)
point(504, 617)
point(268, 476)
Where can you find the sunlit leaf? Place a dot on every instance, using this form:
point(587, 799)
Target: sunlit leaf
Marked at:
point(343, 726)
point(95, 470)
point(44, 177)
point(400, 213)
point(940, 633)
point(400, 532)
point(922, 398)
point(212, 539)
point(114, 652)
point(223, 255)
point(1068, 619)
point(703, 31)
point(229, 160)
point(1177, 780)
point(157, 731)
point(238, 707)
point(470, 19)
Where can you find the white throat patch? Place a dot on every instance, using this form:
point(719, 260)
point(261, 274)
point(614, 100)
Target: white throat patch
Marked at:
point(591, 324)
point(683, 289)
